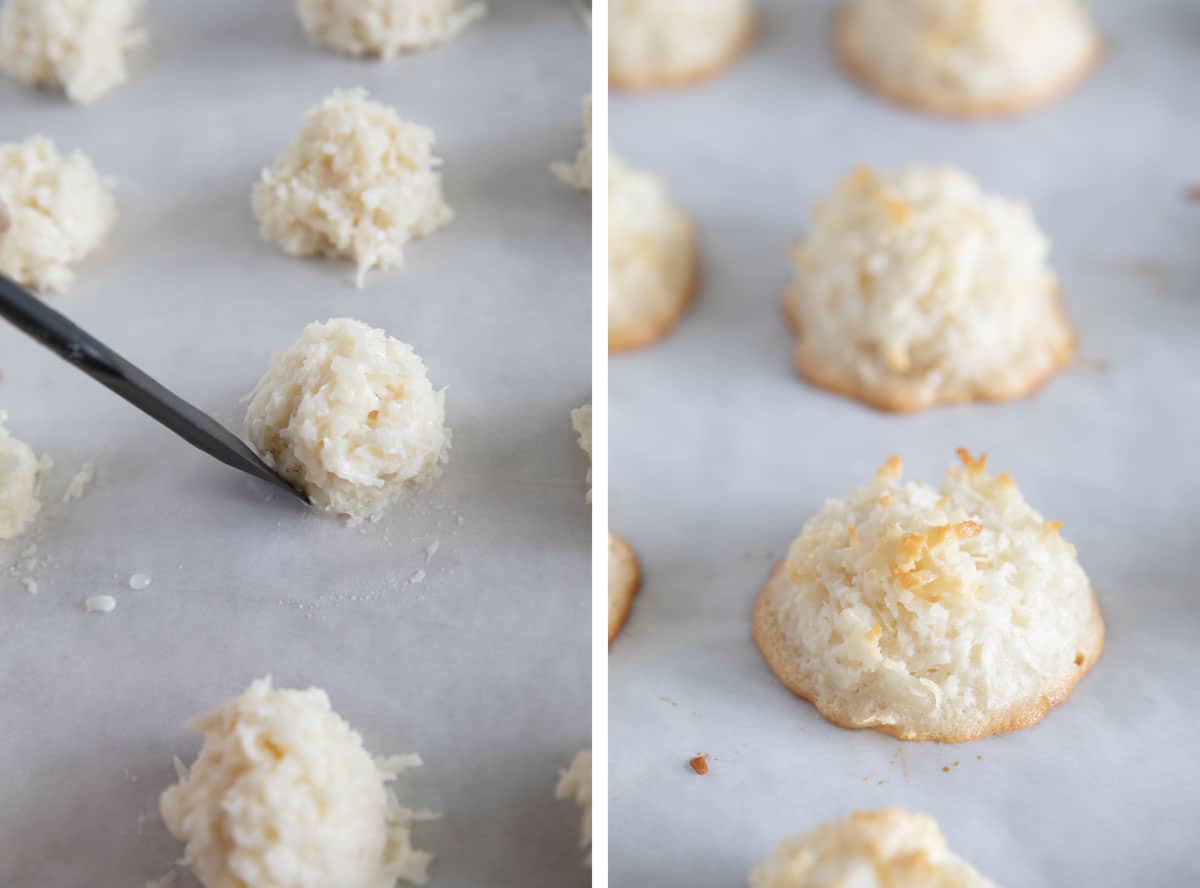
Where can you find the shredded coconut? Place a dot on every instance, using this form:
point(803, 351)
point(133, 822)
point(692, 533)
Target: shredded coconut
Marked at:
point(386, 27)
point(579, 174)
point(356, 182)
point(100, 604)
point(576, 783)
point(59, 210)
point(21, 471)
point(79, 45)
point(581, 421)
point(348, 415)
point(284, 794)
point(80, 483)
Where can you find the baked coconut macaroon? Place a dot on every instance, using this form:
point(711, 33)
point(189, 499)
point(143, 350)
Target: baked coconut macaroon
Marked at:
point(917, 288)
point(385, 28)
point(978, 59)
point(624, 580)
point(891, 848)
point(652, 259)
point(930, 613)
point(655, 44)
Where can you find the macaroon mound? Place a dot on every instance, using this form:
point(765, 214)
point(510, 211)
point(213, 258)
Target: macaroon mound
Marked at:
point(930, 613)
point(348, 415)
point(890, 848)
point(581, 422)
point(55, 210)
point(978, 59)
point(652, 259)
point(654, 44)
point(576, 783)
point(578, 174)
point(78, 45)
point(21, 472)
point(917, 288)
point(624, 580)
point(284, 794)
point(357, 182)
point(385, 28)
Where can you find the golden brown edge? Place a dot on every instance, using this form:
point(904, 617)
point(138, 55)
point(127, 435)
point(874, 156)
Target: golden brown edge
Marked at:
point(628, 593)
point(769, 639)
point(965, 110)
point(621, 343)
point(650, 82)
point(812, 373)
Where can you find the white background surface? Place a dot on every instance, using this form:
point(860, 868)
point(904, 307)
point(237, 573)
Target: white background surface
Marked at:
point(485, 667)
point(719, 454)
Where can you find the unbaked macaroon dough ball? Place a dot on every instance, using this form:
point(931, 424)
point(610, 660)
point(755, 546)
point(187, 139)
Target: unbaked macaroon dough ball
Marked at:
point(917, 288)
point(348, 415)
point(356, 182)
point(79, 45)
point(579, 174)
point(21, 472)
point(284, 794)
point(930, 613)
point(674, 43)
point(652, 259)
point(55, 210)
point(624, 581)
point(890, 848)
point(576, 783)
point(385, 27)
point(986, 57)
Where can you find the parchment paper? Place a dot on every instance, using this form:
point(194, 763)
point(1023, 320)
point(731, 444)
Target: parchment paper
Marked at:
point(719, 454)
point(483, 667)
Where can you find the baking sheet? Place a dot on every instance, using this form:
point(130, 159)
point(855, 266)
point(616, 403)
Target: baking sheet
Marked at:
point(484, 667)
point(719, 454)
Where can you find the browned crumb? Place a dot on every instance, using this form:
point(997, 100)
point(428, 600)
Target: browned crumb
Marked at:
point(1079, 658)
point(956, 764)
point(973, 465)
point(699, 764)
point(978, 758)
point(1193, 193)
point(946, 769)
point(881, 782)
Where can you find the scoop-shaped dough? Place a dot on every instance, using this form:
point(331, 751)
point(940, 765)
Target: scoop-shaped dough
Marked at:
point(283, 794)
point(347, 414)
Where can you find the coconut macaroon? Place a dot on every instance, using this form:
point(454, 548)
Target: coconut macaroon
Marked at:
point(55, 210)
point(579, 173)
point(987, 57)
point(576, 783)
point(930, 613)
point(624, 581)
point(348, 415)
point(917, 288)
point(581, 421)
point(78, 45)
point(890, 848)
point(385, 28)
point(356, 182)
point(21, 472)
point(675, 43)
point(652, 259)
point(284, 794)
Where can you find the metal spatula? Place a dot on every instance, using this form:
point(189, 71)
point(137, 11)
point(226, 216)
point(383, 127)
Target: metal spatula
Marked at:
point(109, 369)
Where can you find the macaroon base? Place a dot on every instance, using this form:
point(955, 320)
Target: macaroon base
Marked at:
point(646, 80)
point(635, 337)
point(623, 583)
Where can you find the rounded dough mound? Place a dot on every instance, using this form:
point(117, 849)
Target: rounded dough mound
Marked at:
point(79, 45)
point(672, 43)
point(348, 415)
point(930, 613)
point(21, 472)
point(891, 848)
point(651, 259)
point(581, 421)
point(54, 211)
point(576, 783)
point(579, 174)
point(356, 182)
point(917, 288)
point(968, 59)
point(284, 794)
point(624, 580)
point(385, 27)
